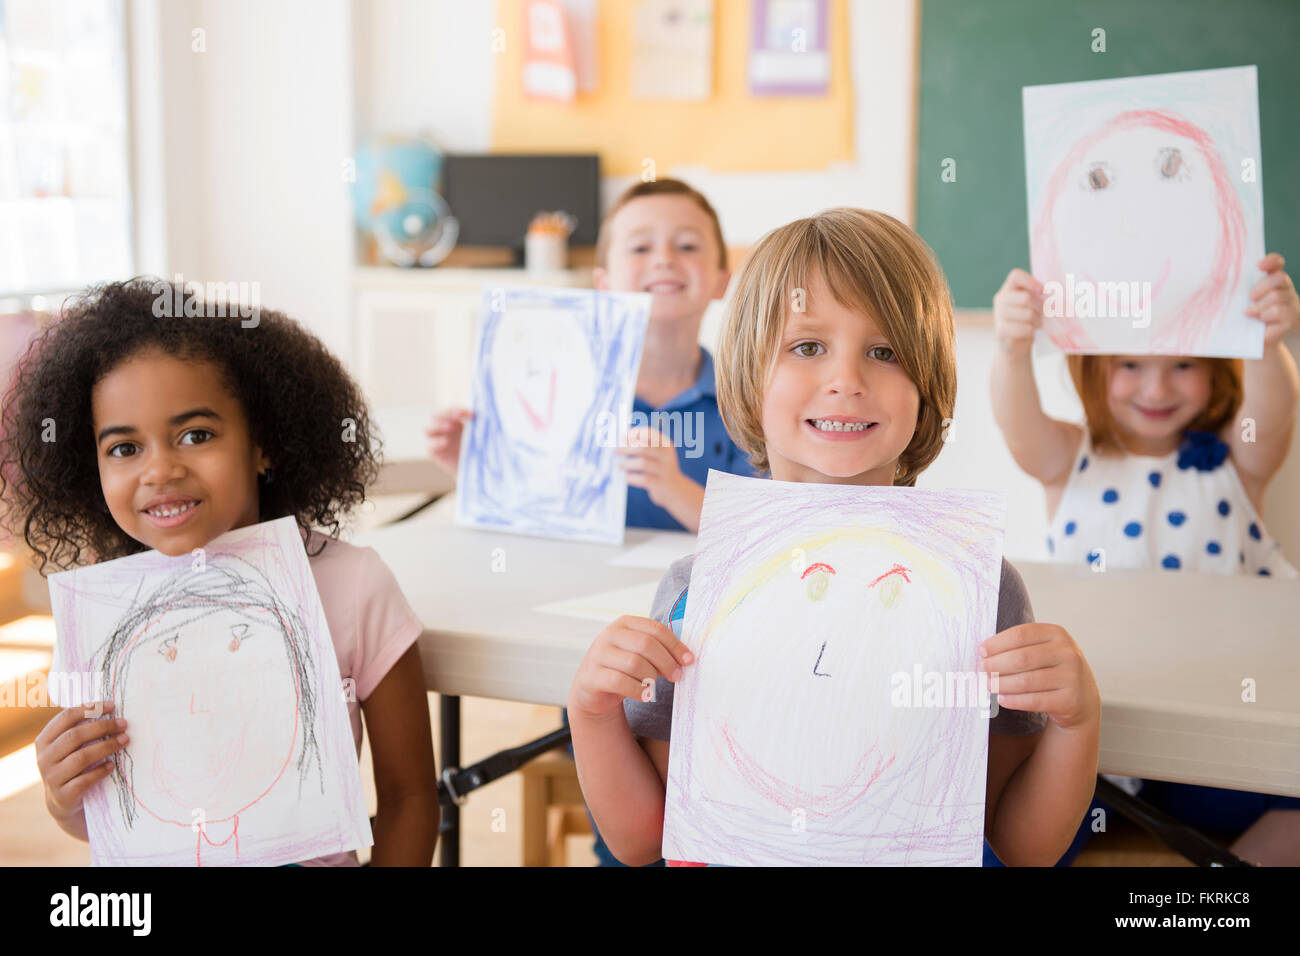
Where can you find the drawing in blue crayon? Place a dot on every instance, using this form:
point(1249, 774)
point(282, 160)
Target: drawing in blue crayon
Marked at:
point(553, 368)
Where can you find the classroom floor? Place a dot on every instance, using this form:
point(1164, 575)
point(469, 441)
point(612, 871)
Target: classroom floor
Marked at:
point(491, 821)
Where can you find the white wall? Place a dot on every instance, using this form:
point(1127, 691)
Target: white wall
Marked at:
point(426, 65)
point(256, 128)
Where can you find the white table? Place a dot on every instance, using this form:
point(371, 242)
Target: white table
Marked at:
point(1169, 651)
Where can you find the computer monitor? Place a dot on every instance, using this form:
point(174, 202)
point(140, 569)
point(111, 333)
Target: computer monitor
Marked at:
point(495, 196)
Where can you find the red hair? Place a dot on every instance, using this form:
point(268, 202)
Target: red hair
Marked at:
point(1091, 375)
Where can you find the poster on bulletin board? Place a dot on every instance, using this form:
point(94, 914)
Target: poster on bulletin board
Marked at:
point(672, 50)
point(550, 71)
point(716, 132)
point(789, 51)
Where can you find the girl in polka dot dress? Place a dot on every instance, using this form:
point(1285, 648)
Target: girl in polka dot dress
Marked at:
point(1170, 467)
point(1168, 470)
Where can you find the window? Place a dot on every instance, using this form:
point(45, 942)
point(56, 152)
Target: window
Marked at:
point(65, 196)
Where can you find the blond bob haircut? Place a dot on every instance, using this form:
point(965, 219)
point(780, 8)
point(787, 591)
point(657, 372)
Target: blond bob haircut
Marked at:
point(1091, 375)
point(871, 262)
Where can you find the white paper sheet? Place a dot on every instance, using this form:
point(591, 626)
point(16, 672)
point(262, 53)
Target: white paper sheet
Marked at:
point(1146, 212)
point(554, 380)
point(241, 751)
point(800, 735)
point(605, 606)
point(657, 551)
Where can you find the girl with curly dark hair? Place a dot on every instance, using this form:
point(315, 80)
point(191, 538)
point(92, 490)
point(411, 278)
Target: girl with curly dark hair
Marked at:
point(130, 424)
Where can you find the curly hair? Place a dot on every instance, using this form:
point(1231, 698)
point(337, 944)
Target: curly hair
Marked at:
point(303, 410)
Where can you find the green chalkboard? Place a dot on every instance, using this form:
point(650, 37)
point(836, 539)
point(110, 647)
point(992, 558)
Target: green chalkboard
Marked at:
point(977, 54)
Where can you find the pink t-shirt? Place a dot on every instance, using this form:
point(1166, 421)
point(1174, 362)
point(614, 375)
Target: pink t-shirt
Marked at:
point(370, 622)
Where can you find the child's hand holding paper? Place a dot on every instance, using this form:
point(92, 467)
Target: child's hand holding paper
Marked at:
point(73, 753)
point(621, 660)
point(1274, 301)
point(1040, 667)
point(650, 461)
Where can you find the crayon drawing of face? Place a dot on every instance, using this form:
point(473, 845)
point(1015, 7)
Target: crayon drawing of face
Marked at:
point(542, 402)
point(214, 674)
point(1146, 197)
point(826, 634)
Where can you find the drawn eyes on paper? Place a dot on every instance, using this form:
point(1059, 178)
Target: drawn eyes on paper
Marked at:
point(1171, 166)
point(1098, 177)
point(888, 587)
point(1169, 162)
point(889, 591)
point(818, 577)
point(237, 634)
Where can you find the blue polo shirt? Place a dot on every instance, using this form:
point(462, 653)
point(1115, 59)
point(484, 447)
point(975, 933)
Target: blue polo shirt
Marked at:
point(694, 424)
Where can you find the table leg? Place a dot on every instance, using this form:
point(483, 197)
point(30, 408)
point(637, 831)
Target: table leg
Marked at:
point(449, 725)
point(1175, 834)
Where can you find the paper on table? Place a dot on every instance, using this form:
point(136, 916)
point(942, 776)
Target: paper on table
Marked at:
point(606, 606)
point(801, 734)
point(658, 551)
point(241, 749)
point(1146, 214)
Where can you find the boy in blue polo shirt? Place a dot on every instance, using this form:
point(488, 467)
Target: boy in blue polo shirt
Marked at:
point(664, 238)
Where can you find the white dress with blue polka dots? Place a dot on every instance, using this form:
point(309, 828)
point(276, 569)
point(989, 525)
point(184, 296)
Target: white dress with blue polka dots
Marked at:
point(1186, 510)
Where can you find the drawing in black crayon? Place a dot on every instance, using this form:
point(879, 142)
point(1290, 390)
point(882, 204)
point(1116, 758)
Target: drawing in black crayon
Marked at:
point(220, 670)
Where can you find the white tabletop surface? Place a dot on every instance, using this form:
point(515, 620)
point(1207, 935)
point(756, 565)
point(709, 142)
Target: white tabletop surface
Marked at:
point(1170, 651)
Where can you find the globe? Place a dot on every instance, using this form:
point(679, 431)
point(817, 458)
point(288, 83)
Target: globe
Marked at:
point(395, 200)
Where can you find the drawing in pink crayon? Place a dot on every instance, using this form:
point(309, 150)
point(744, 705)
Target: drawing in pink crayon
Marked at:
point(241, 750)
point(1146, 212)
point(856, 616)
point(1168, 189)
point(227, 728)
point(540, 421)
point(789, 741)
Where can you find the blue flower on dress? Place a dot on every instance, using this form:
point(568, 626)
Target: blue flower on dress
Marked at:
point(1204, 451)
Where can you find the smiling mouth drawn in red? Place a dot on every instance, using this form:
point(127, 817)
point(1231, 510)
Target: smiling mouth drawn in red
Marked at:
point(1155, 286)
point(540, 423)
point(789, 796)
point(826, 800)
